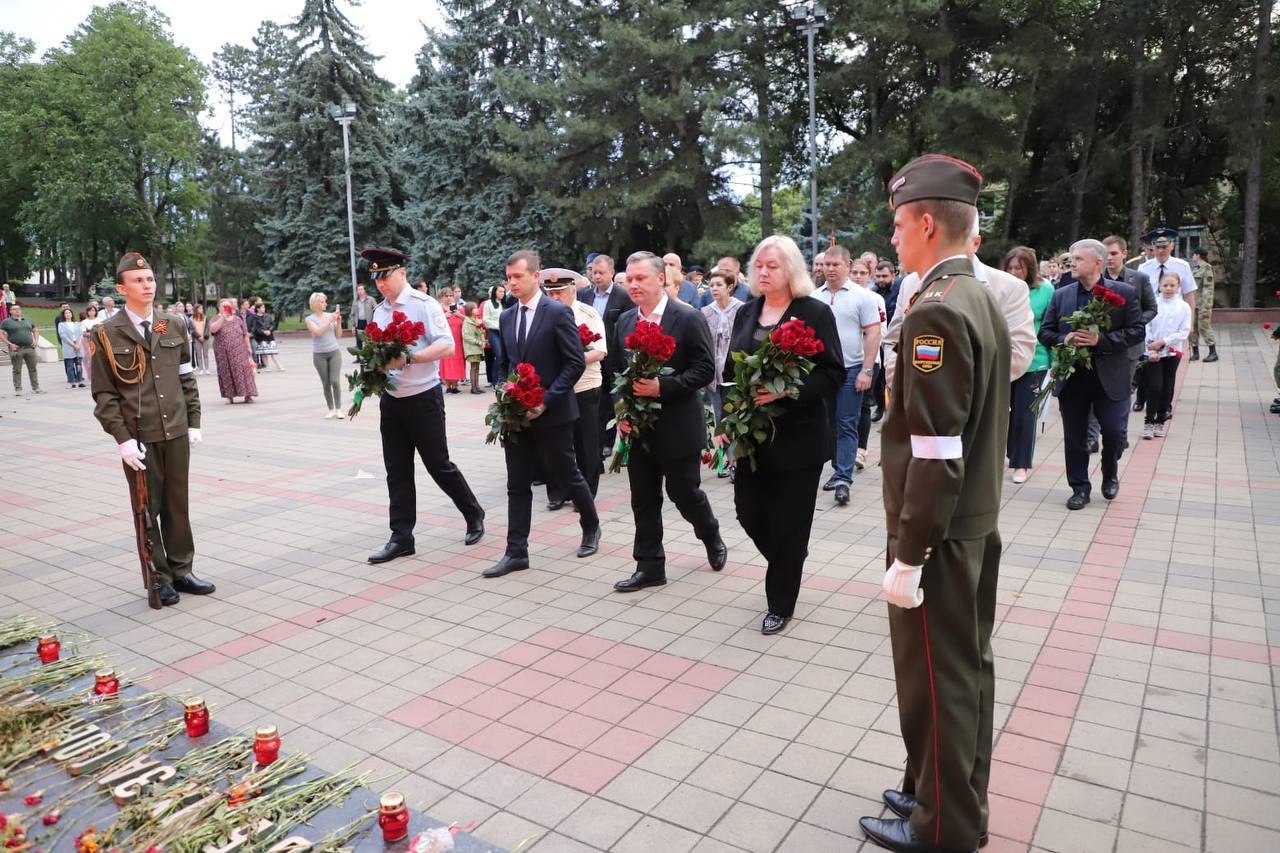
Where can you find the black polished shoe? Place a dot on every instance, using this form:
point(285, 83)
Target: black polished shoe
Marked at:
point(842, 494)
point(554, 505)
point(168, 595)
point(590, 543)
point(1094, 447)
point(830, 485)
point(877, 416)
point(192, 585)
point(1110, 488)
point(1138, 406)
point(896, 835)
point(392, 550)
point(506, 566)
point(1077, 500)
point(1275, 407)
point(904, 804)
point(773, 623)
point(639, 580)
point(717, 554)
point(475, 530)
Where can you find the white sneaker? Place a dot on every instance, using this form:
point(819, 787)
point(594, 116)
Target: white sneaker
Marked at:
point(337, 413)
point(328, 416)
point(1148, 430)
point(1159, 430)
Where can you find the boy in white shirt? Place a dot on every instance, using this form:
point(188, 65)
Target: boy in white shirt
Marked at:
point(1166, 337)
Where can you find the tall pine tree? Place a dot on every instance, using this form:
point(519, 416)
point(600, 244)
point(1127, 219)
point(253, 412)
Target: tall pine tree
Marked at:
point(304, 188)
point(463, 213)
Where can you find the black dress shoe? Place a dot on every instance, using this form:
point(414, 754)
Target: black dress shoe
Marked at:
point(717, 554)
point(392, 550)
point(639, 580)
point(475, 530)
point(896, 835)
point(1093, 445)
point(590, 543)
point(168, 595)
point(1077, 500)
point(506, 566)
point(842, 494)
point(830, 485)
point(904, 804)
point(192, 585)
point(1110, 488)
point(773, 623)
point(606, 453)
point(556, 504)
point(1138, 405)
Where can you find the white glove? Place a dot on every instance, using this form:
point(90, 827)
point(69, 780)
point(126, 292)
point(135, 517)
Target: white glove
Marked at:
point(132, 453)
point(902, 585)
point(193, 436)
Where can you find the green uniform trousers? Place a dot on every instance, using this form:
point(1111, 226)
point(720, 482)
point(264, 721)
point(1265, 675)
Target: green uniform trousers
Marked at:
point(946, 686)
point(172, 548)
point(1204, 318)
point(27, 356)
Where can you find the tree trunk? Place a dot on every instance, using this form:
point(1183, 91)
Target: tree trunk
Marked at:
point(763, 104)
point(1137, 186)
point(1253, 172)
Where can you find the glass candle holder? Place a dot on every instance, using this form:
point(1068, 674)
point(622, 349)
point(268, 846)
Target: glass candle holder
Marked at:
point(105, 683)
point(266, 745)
point(393, 816)
point(196, 715)
point(48, 648)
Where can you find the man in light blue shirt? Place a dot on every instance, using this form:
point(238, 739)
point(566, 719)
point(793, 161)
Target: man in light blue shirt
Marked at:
point(413, 411)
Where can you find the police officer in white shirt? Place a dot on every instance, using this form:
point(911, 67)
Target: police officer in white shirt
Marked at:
point(413, 411)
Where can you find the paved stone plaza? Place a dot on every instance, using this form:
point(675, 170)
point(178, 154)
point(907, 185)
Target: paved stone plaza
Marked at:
point(1138, 644)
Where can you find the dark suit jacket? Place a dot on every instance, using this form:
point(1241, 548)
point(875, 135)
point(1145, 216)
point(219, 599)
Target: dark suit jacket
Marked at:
point(1114, 356)
point(554, 349)
point(619, 302)
point(681, 429)
point(804, 436)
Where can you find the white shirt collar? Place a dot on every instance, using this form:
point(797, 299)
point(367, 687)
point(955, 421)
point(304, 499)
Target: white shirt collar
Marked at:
point(138, 321)
point(532, 304)
point(658, 311)
point(979, 270)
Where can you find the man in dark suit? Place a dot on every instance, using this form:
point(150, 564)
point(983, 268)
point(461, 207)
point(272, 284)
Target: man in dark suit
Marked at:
point(540, 331)
point(610, 301)
point(672, 448)
point(1117, 252)
point(1102, 389)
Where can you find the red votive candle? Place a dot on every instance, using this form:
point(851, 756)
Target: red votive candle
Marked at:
point(393, 816)
point(48, 648)
point(105, 683)
point(196, 716)
point(266, 745)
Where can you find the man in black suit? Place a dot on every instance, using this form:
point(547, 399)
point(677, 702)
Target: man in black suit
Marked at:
point(1117, 253)
point(610, 301)
point(672, 448)
point(1104, 388)
point(542, 332)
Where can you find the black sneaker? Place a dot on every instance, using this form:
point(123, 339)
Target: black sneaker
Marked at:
point(842, 494)
point(830, 485)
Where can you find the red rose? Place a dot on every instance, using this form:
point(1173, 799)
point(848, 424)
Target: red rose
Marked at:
point(407, 335)
point(398, 317)
point(525, 370)
point(1098, 291)
point(1266, 325)
point(419, 329)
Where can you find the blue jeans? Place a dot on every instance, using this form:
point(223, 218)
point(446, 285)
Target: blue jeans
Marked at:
point(848, 410)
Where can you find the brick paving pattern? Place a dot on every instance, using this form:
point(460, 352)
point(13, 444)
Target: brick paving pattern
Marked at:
point(1138, 641)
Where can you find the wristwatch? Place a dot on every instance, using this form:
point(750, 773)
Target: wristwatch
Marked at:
point(870, 371)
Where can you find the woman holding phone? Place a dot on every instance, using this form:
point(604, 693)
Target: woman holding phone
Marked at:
point(233, 350)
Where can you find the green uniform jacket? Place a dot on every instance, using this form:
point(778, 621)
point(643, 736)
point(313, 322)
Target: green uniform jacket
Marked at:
point(943, 443)
point(168, 395)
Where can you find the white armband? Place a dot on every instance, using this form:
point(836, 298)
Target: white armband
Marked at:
point(937, 446)
point(185, 368)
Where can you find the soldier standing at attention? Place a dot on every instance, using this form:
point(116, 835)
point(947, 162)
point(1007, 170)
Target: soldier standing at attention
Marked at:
point(943, 448)
point(145, 397)
point(1202, 272)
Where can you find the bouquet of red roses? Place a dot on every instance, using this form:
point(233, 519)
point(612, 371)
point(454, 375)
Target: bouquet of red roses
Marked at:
point(1094, 317)
point(650, 348)
point(587, 336)
point(520, 394)
point(777, 367)
point(381, 347)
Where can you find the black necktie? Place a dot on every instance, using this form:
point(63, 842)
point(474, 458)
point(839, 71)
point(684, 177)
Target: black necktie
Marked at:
point(1161, 275)
point(524, 314)
point(146, 330)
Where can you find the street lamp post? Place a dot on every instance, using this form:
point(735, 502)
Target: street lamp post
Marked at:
point(808, 19)
point(344, 115)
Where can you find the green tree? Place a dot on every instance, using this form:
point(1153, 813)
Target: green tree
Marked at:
point(303, 188)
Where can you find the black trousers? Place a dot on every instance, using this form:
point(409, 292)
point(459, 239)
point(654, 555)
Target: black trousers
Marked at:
point(878, 383)
point(586, 444)
point(945, 675)
point(775, 508)
point(608, 434)
point(416, 423)
point(1081, 394)
point(173, 548)
point(536, 453)
point(646, 473)
point(1159, 379)
point(1021, 446)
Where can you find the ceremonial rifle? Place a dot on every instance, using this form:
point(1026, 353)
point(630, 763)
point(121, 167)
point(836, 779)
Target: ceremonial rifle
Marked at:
point(142, 533)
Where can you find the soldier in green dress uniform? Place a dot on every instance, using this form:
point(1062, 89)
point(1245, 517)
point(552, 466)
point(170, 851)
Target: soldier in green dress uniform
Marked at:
point(943, 453)
point(145, 397)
